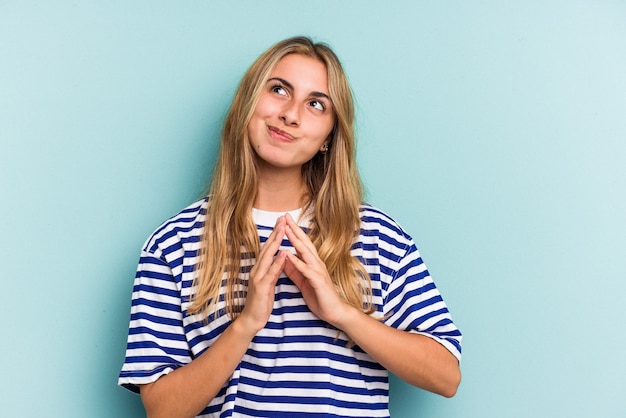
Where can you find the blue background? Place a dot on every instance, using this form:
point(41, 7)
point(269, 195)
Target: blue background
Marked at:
point(494, 132)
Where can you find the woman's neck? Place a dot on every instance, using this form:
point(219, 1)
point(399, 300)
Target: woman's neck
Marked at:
point(279, 191)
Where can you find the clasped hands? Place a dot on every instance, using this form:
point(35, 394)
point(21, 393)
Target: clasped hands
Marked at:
point(305, 268)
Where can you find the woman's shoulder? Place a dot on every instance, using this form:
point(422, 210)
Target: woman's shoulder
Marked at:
point(187, 223)
point(376, 221)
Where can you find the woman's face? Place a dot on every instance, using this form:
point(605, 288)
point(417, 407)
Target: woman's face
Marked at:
point(294, 115)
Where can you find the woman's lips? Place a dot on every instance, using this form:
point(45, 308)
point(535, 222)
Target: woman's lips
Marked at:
point(280, 134)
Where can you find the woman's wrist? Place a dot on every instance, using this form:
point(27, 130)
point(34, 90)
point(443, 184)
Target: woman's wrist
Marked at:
point(345, 318)
point(243, 328)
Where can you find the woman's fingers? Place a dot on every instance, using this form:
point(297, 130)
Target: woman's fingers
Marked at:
point(276, 267)
point(261, 291)
point(298, 266)
point(299, 233)
point(292, 272)
point(300, 240)
point(266, 256)
point(276, 237)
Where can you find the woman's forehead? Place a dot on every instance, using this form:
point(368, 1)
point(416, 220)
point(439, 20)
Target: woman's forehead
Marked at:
point(302, 72)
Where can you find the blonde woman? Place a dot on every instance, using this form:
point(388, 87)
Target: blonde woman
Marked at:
point(281, 293)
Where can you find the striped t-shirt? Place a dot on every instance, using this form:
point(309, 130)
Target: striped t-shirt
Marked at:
point(298, 365)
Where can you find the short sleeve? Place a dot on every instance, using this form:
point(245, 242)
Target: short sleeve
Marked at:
point(414, 304)
point(156, 339)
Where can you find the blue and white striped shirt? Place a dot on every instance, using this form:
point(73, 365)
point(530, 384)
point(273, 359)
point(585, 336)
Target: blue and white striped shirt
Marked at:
point(298, 365)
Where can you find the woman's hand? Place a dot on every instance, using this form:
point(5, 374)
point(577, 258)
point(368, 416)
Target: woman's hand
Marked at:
point(309, 274)
point(262, 282)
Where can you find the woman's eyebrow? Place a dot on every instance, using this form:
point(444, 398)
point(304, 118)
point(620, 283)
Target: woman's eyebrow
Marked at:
point(282, 81)
point(287, 84)
point(321, 95)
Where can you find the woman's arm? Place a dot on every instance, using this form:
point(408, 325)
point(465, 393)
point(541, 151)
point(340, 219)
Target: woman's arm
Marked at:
point(415, 358)
point(186, 391)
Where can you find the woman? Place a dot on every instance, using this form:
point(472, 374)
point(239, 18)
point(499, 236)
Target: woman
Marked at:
point(281, 294)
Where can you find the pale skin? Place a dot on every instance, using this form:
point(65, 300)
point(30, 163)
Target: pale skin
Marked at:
point(296, 111)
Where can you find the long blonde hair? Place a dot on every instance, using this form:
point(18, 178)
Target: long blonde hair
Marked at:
point(333, 186)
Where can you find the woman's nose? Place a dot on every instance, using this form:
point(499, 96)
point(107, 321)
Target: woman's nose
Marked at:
point(290, 114)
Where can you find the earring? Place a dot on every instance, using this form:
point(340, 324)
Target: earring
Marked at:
point(324, 148)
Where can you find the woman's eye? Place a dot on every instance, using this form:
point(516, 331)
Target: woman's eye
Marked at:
point(317, 105)
point(278, 89)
